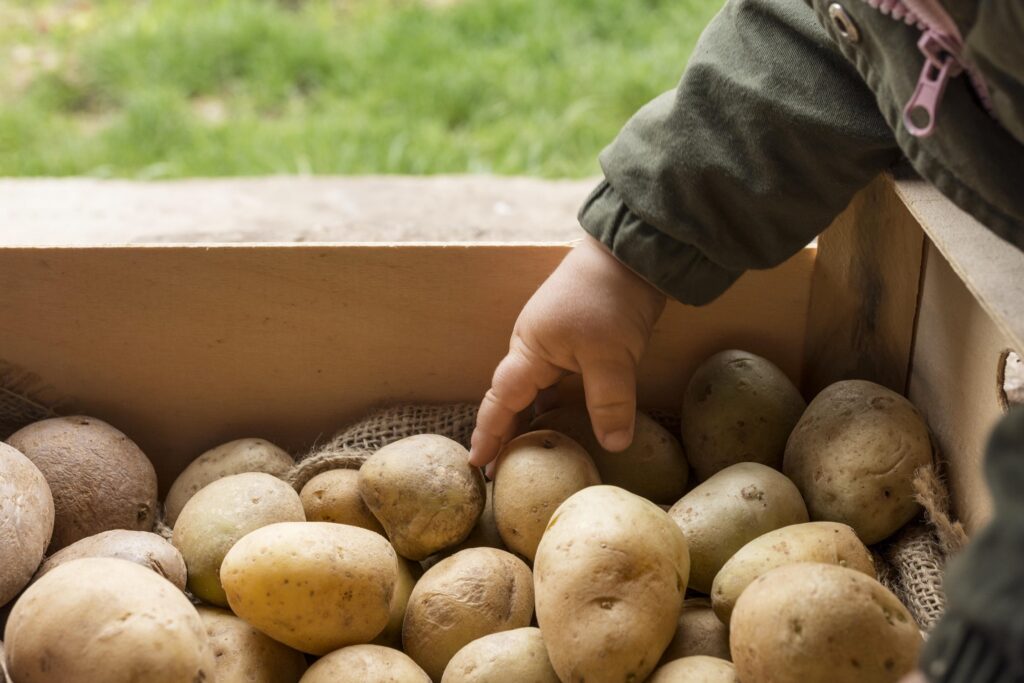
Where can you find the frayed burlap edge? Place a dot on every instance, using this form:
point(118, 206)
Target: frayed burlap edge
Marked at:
point(24, 399)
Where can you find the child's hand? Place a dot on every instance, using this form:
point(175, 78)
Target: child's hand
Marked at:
point(592, 316)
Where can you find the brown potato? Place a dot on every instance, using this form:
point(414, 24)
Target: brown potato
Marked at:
point(409, 573)
point(516, 656)
point(99, 478)
point(26, 520)
point(700, 632)
point(424, 492)
point(233, 457)
point(469, 595)
point(365, 664)
point(333, 496)
point(853, 456)
point(821, 623)
point(696, 669)
point(535, 473)
point(141, 547)
point(738, 407)
point(244, 655)
point(653, 467)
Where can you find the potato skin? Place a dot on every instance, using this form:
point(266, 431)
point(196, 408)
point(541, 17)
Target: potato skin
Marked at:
point(738, 407)
point(469, 595)
point(424, 492)
point(314, 586)
point(610, 576)
point(653, 467)
point(696, 669)
point(821, 623)
point(333, 496)
point(826, 542)
point(516, 656)
point(244, 655)
point(366, 664)
point(26, 520)
point(144, 548)
point(729, 510)
point(535, 473)
point(700, 632)
point(409, 573)
point(233, 457)
point(99, 478)
point(96, 619)
point(224, 511)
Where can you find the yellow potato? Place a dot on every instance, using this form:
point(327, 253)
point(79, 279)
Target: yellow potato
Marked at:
point(314, 586)
point(516, 656)
point(696, 669)
point(700, 632)
point(144, 548)
point(26, 520)
point(610, 576)
point(365, 664)
point(821, 623)
point(409, 573)
point(333, 496)
point(221, 513)
point(826, 542)
point(730, 509)
point(535, 473)
point(244, 655)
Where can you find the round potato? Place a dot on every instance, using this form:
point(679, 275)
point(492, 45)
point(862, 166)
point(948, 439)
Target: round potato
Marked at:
point(314, 586)
point(244, 655)
point(729, 510)
point(853, 456)
point(653, 467)
point(738, 407)
point(469, 595)
point(233, 457)
point(821, 623)
point(333, 496)
point(365, 664)
point(826, 542)
point(424, 492)
point(696, 669)
point(700, 632)
point(26, 520)
point(141, 547)
point(535, 473)
point(99, 478)
point(221, 513)
point(516, 656)
point(99, 620)
point(610, 576)
point(409, 573)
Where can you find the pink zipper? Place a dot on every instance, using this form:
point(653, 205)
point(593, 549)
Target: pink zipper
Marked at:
point(942, 47)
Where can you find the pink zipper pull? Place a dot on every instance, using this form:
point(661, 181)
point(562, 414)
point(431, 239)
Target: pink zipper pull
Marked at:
point(940, 64)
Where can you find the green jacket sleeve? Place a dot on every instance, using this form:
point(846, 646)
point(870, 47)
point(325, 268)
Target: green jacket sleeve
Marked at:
point(766, 138)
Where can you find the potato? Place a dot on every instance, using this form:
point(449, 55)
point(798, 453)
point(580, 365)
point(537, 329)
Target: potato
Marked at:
point(699, 632)
point(610, 576)
point(826, 542)
point(26, 520)
point(484, 534)
point(221, 513)
point(853, 456)
point(738, 407)
point(424, 492)
point(469, 595)
point(696, 669)
point(233, 457)
point(535, 473)
point(729, 510)
point(99, 478)
point(409, 573)
point(653, 466)
point(106, 620)
point(365, 664)
point(516, 656)
point(3, 666)
point(314, 586)
point(244, 655)
point(141, 547)
point(333, 496)
point(821, 623)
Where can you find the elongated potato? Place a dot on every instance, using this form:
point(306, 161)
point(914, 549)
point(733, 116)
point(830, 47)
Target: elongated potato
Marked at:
point(535, 473)
point(26, 520)
point(233, 457)
point(409, 573)
point(144, 548)
point(424, 492)
point(821, 623)
point(333, 496)
point(700, 632)
point(731, 509)
point(516, 656)
point(610, 576)
point(826, 542)
point(469, 595)
point(696, 669)
point(244, 655)
point(365, 664)
point(853, 456)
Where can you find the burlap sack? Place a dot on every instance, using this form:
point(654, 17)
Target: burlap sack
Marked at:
point(21, 401)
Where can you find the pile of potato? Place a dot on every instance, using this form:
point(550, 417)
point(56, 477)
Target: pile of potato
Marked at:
point(574, 565)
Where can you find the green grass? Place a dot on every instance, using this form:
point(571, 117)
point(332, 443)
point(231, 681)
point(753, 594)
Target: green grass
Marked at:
point(165, 88)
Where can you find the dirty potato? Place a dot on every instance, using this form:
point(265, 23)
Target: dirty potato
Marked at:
point(144, 548)
point(26, 520)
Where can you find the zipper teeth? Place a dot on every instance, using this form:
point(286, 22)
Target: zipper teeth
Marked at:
point(898, 11)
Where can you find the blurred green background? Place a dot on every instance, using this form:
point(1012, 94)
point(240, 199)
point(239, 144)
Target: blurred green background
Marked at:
point(172, 88)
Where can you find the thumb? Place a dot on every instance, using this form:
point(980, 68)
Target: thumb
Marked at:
point(610, 388)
